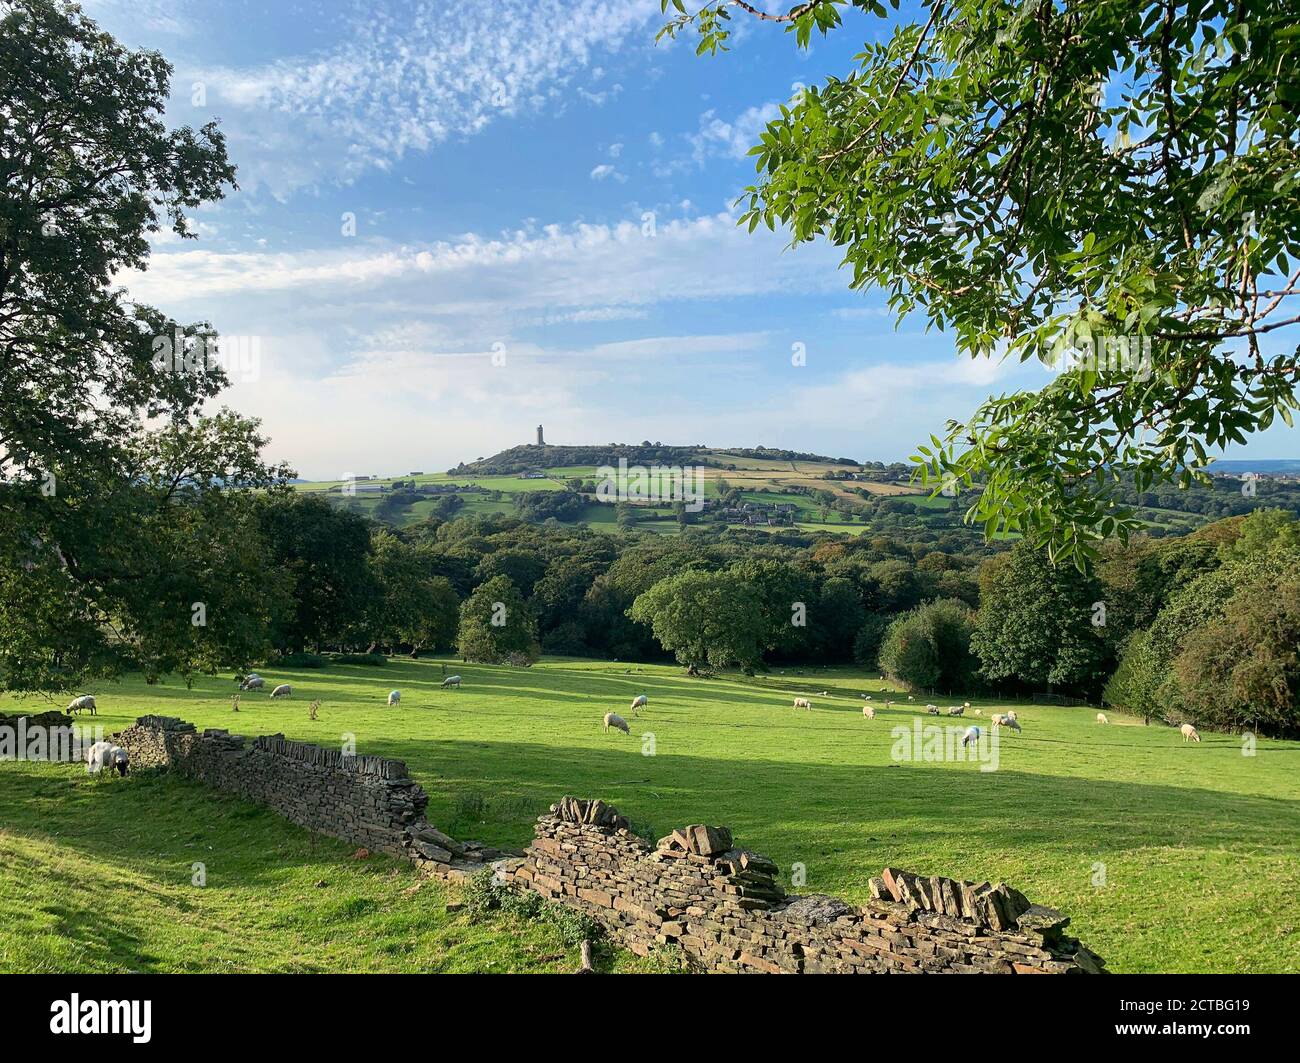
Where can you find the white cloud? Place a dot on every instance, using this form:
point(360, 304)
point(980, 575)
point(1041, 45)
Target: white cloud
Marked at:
point(604, 170)
point(407, 77)
point(574, 266)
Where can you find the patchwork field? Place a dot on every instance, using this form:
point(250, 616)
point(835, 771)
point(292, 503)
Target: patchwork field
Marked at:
point(1169, 857)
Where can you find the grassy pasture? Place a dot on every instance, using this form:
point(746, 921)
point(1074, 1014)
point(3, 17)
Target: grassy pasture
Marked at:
point(1169, 857)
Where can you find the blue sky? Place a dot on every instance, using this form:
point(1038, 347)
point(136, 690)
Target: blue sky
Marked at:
point(544, 232)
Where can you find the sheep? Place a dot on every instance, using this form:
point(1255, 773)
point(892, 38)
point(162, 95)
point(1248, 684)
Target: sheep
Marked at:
point(394, 697)
point(1011, 715)
point(972, 735)
point(105, 755)
point(282, 691)
point(252, 682)
point(1001, 719)
point(979, 712)
point(825, 694)
point(1101, 718)
point(639, 702)
point(1189, 733)
point(85, 703)
point(452, 681)
point(933, 710)
point(613, 719)
point(868, 712)
point(957, 710)
point(910, 698)
point(803, 703)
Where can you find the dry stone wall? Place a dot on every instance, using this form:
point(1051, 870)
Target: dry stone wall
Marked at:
point(370, 801)
point(724, 906)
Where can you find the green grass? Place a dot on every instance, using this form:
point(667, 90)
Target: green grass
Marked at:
point(97, 875)
point(1199, 842)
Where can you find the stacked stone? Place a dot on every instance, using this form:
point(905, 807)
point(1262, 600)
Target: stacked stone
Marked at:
point(725, 908)
point(365, 800)
point(53, 718)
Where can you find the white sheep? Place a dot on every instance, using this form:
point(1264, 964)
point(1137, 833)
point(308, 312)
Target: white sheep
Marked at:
point(1011, 715)
point(972, 735)
point(979, 712)
point(613, 719)
point(1004, 719)
point(252, 682)
point(639, 702)
point(394, 696)
point(868, 712)
point(956, 710)
point(105, 755)
point(1189, 733)
point(933, 710)
point(452, 681)
point(1101, 718)
point(282, 691)
point(803, 703)
point(85, 703)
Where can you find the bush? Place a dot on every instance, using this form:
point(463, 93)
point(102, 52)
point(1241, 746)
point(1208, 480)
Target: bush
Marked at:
point(929, 648)
point(302, 660)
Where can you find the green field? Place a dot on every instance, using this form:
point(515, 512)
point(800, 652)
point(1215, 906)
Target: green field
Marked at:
point(1198, 842)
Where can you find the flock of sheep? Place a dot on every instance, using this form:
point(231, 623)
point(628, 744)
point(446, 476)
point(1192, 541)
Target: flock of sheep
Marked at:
point(106, 755)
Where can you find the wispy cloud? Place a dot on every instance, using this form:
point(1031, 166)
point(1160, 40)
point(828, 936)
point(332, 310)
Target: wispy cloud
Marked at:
point(407, 77)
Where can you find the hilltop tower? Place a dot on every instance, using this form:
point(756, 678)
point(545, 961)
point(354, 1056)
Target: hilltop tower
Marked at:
point(540, 441)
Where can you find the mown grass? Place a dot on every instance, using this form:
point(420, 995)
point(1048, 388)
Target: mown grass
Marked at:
point(1168, 857)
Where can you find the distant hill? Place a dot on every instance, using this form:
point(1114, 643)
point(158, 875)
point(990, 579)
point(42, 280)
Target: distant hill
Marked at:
point(529, 457)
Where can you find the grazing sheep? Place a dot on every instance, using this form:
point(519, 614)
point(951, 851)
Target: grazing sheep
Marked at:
point(452, 681)
point(1004, 719)
point(867, 696)
point(972, 735)
point(933, 710)
point(85, 703)
point(105, 755)
point(639, 702)
point(1189, 733)
point(1101, 718)
point(803, 703)
point(282, 691)
point(979, 712)
point(868, 712)
point(394, 696)
point(957, 710)
point(613, 719)
point(252, 682)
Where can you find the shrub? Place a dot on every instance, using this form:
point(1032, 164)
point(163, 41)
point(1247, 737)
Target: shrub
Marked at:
point(301, 660)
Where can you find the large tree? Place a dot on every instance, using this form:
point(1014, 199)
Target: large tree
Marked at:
point(1040, 626)
point(121, 543)
point(1111, 187)
point(706, 617)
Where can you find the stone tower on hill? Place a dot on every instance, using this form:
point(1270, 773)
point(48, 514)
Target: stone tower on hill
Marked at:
point(540, 441)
